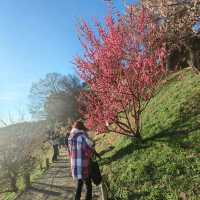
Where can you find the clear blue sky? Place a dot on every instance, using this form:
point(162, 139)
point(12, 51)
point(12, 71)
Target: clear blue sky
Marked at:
point(38, 37)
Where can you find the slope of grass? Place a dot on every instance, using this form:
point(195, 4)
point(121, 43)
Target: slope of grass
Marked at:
point(166, 164)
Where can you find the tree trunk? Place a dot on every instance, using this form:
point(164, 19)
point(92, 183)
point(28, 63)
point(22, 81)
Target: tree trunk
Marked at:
point(41, 166)
point(13, 184)
point(47, 163)
point(138, 135)
point(137, 124)
point(27, 180)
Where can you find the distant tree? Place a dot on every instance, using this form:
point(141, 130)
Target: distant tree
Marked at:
point(30, 144)
point(180, 22)
point(61, 106)
point(122, 68)
point(54, 97)
point(9, 165)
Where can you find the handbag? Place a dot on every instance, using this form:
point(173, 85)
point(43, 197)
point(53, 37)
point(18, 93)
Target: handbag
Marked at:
point(94, 171)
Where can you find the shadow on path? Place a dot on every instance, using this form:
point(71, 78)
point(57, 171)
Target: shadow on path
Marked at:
point(55, 184)
point(186, 123)
point(48, 192)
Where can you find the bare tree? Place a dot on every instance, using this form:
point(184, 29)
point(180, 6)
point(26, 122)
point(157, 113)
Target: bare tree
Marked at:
point(14, 117)
point(54, 97)
point(20, 151)
point(31, 141)
point(9, 164)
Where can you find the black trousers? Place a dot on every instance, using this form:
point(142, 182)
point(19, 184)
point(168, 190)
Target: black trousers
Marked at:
point(55, 152)
point(79, 187)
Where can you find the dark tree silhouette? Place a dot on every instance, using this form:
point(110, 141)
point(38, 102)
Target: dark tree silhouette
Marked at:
point(54, 97)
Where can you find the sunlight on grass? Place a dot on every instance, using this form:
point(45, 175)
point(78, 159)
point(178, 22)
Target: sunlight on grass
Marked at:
point(168, 159)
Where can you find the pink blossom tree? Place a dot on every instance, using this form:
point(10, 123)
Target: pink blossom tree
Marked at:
point(122, 66)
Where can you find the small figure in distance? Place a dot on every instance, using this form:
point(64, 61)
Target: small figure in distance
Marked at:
point(67, 136)
point(55, 143)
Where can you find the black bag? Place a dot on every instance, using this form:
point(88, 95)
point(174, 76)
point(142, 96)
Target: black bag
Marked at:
point(95, 173)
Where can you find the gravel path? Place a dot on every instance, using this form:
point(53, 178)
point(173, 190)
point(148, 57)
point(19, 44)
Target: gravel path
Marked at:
point(55, 184)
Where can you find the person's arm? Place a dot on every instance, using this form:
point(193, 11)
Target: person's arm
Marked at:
point(89, 142)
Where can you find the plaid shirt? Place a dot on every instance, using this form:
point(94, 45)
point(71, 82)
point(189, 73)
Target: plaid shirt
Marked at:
point(80, 151)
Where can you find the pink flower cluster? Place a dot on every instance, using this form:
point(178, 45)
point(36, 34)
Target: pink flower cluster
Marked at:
point(122, 67)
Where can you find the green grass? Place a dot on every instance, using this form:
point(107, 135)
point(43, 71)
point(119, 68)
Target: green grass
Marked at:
point(166, 164)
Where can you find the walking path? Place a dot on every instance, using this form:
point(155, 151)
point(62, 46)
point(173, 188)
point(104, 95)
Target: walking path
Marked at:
point(55, 184)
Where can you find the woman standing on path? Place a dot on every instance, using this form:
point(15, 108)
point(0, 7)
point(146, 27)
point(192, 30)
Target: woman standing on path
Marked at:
point(80, 150)
point(67, 134)
point(55, 144)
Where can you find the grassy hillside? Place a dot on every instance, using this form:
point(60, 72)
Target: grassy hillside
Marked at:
point(166, 165)
point(20, 128)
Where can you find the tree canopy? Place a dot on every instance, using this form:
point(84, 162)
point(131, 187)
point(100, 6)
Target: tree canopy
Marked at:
point(122, 67)
point(54, 97)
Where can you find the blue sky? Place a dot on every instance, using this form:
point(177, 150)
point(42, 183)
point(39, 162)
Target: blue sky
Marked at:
point(38, 37)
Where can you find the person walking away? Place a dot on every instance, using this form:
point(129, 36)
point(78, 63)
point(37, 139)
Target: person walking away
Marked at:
point(80, 152)
point(55, 144)
point(69, 128)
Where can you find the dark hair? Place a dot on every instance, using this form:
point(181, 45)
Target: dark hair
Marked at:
point(80, 125)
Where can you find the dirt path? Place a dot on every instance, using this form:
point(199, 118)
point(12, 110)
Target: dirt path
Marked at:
point(55, 184)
